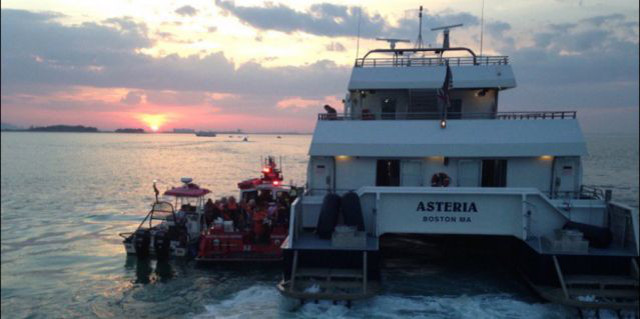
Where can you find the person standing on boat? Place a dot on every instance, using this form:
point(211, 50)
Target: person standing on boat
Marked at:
point(283, 208)
point(272, 211)
point(259, 217)
point(332, 114)
point(249, 210)
point(235, 214)
point(209, 212)
point(223, 209)
point(272, 215)
point(217, 212)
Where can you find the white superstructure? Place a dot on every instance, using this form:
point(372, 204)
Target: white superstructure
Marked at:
point(391, 141)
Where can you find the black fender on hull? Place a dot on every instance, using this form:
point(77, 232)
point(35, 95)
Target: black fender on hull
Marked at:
point(329, 213)
point(351, 210)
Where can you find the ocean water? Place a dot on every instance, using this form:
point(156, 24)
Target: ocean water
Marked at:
point(66, 196)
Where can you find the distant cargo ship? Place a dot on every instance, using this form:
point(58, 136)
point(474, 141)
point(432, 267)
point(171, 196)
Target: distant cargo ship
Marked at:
point(184, 130)
point(206, 133)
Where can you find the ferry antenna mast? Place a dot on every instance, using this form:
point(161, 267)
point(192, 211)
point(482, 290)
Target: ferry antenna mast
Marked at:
point(419, 44)
point(445, 33)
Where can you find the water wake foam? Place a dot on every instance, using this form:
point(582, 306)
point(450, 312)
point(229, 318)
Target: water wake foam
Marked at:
point(265, 302)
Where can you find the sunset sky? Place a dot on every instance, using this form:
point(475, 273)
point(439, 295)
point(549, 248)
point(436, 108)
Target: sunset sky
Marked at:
point(270, 66)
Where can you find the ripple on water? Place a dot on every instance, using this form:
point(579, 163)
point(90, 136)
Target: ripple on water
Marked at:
point(65, 197)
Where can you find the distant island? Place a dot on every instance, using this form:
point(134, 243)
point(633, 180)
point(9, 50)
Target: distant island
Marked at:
point(9, 127)
point(129, 130)
point(63, 128)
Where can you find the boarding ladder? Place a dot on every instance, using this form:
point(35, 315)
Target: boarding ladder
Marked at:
point(335, 284)
point(589, 293)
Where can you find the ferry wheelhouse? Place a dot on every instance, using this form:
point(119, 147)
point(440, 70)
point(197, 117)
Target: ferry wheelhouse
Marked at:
point(422, 148)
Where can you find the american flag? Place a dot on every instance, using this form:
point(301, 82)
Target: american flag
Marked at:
point(443, 92)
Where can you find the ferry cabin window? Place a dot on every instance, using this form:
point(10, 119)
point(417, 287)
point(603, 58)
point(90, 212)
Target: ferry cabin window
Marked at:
point(388, 173)
point(388, 108)
point(494, 173)
point(423, 104)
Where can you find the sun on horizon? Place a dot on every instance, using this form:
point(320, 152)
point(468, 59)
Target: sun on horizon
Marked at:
point(153, 121)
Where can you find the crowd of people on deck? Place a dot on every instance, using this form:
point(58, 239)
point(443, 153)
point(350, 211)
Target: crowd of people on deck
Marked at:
point(258, 215)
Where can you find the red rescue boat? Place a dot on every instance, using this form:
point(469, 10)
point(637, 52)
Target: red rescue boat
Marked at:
point(255, 228)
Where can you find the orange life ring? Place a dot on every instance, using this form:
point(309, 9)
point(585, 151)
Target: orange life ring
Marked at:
point(440, 179)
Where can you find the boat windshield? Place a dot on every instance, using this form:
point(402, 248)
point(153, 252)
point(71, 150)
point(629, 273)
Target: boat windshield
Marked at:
point(162, 210)
point(189, 204)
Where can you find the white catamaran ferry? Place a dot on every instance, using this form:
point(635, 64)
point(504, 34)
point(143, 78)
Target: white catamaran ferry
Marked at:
point(422, 148)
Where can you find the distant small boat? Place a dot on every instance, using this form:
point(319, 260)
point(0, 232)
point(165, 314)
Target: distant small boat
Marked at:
point(206, 133)
point(279, 136)
point(245, 139)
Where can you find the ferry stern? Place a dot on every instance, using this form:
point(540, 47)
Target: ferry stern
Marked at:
point(422, 148)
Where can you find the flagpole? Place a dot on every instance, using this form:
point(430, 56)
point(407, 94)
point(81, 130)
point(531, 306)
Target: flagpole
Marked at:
point(448, 100)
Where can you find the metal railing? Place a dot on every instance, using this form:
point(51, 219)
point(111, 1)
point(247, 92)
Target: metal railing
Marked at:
point(431, 61)
point(544, 115)
point(585, 192)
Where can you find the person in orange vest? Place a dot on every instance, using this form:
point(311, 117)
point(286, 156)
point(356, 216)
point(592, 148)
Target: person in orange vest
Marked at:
point(258, 221)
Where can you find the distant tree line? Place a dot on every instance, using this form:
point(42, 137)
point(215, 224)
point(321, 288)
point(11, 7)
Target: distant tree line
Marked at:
point(63, 128)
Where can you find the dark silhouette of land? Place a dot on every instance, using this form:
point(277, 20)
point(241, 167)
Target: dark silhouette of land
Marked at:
point(130, 130)
point(63, 128)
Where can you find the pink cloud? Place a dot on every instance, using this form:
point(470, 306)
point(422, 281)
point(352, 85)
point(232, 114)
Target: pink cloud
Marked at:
point(297, 102)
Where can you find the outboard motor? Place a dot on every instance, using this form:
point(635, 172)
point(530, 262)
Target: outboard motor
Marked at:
point(141, 241)
point(162, 245)
point(328, 218)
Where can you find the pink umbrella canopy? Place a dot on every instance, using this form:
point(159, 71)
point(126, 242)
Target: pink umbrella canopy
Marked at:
point(189, 190)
